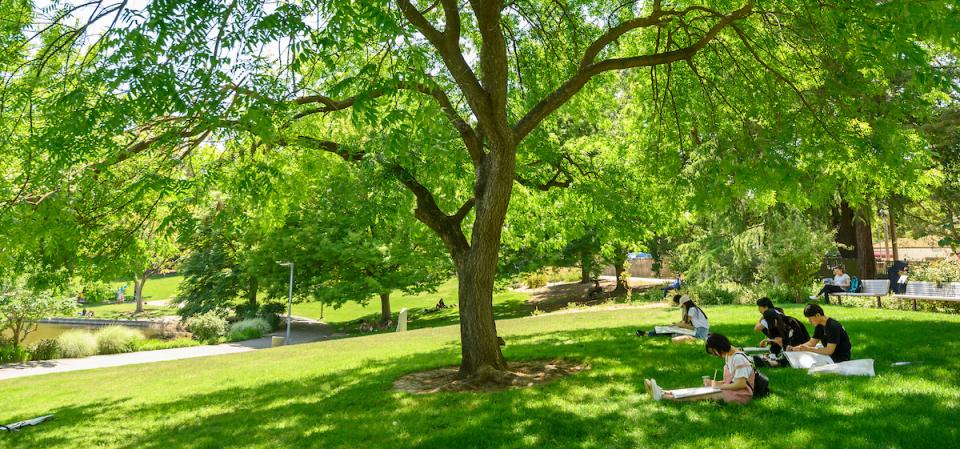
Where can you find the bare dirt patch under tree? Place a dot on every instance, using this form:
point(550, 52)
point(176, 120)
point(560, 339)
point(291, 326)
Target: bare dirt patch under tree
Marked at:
point(518, 375)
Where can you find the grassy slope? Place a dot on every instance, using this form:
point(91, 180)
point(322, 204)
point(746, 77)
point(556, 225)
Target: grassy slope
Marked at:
point(507, 304)
point(156, 289)
point(159, 289)
point(337, 393)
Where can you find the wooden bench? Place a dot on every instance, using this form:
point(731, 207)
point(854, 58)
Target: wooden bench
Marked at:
point(871, 287)
point(930, 291)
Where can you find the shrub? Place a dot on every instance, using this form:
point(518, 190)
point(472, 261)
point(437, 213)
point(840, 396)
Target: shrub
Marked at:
point(207, 327)
point(939, 271)
point(13, 354)
point(273, 312)
point(117, 339)
point(99, 292)
point(154, 344)
point(76, 344)
point(536, 280)
point(712, 293)
point(792, 252)
point(46, 349)
point(248, 329)
point(779, 294)
point(650, 295)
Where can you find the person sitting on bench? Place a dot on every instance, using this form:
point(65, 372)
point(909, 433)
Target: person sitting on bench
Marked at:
point(739, 377)
point(828, 332)
point(840, 283)
point(675, 285)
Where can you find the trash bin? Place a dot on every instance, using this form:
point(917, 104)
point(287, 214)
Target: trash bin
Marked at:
point(276, 341)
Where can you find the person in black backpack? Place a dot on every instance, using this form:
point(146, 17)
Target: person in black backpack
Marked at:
point(780, 330)
point(741, 382)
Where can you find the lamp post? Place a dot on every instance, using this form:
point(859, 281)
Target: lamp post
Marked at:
point(286, 340)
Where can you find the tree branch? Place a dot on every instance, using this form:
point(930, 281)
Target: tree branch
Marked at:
point(430, 214)
point(566, 90)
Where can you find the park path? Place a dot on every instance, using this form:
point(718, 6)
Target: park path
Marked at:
point(302, 330)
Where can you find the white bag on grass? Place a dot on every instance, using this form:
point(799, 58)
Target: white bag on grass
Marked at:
point(862, 367)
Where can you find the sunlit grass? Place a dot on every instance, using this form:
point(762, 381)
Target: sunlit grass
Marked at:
point(337, 394)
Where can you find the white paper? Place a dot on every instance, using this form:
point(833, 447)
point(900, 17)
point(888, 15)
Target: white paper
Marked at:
point(673, 330)
point(805, 360)
point(862, 367)
point(691, 392)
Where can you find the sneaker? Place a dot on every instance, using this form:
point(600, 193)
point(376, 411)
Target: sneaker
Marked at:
point(657, 391)
point(653, 389)
point(814, 298)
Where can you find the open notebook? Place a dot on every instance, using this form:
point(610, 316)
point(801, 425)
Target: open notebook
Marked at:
point(806, 360)
point(692, 392)
point(673, 330)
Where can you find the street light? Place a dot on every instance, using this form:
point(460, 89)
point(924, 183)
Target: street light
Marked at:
point(286, 340)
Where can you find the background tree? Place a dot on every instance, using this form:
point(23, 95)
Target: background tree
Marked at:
point(21, 308)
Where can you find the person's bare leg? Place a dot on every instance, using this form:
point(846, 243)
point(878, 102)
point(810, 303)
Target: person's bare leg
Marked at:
point(682, 338)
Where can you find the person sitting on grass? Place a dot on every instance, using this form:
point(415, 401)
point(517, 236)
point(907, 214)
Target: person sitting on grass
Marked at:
point(693, 318)
point(781, 331)
point(686, 320)
point(828, 332)
point(840, 283)
point(739, 377)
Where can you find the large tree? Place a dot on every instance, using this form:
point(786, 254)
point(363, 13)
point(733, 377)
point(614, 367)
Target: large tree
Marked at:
point(157, 86)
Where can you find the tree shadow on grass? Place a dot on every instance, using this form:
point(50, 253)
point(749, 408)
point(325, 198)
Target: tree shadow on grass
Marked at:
point(602, 407)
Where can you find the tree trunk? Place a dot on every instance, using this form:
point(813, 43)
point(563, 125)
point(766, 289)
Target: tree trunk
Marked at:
point(846, 231)
point(385, 313)
point(478, 329)
point(477, 265)
point(252, 293)
point(138, 282)
point(620, 268)
point(586, 266)
point(866, 260)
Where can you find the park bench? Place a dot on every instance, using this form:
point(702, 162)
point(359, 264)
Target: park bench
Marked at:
point(930, 291)
point(871, 287)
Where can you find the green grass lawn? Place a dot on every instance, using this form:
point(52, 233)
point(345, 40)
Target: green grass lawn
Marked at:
point(507, 304)
point(156, 289)
point(337, 393)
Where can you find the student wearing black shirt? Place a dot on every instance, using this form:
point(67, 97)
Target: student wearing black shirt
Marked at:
point(829, 332)
point(780, 329)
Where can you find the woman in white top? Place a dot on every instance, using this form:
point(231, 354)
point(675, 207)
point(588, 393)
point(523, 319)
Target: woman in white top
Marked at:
point(840, 283)
point(739, 377)
point(693, 318)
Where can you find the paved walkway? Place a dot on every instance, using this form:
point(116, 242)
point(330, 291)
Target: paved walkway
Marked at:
point(302, 330)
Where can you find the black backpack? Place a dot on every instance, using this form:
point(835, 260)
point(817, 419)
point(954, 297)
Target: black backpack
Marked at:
point(761, 383)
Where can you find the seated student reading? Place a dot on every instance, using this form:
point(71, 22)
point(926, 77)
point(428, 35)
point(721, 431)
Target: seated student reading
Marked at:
point(739, 377)
point(840, 283)
point(828, 332)
point(695, 320)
